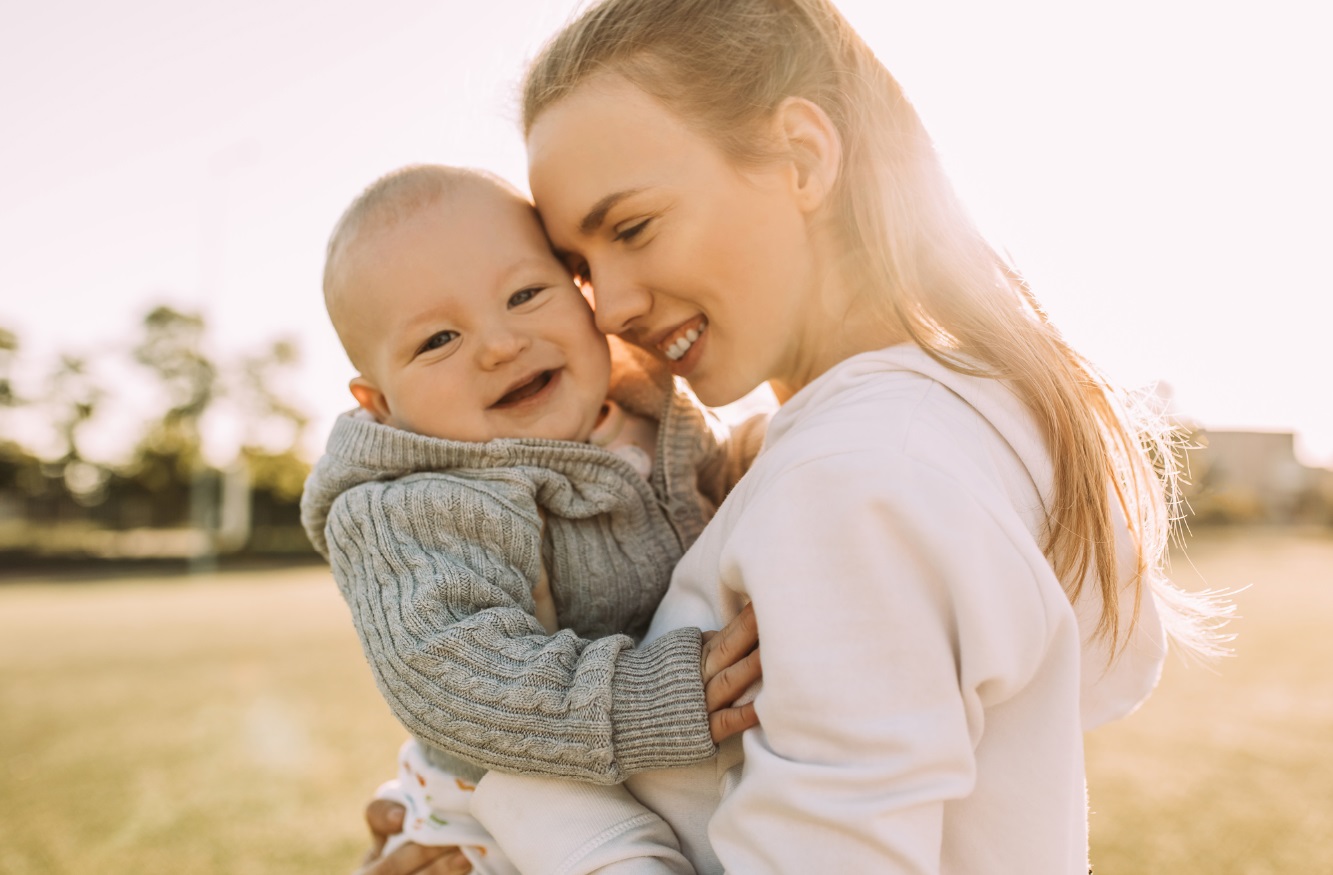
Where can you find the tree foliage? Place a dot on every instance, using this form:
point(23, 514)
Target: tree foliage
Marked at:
point(161, 482)
point(171, 348)
point(9, 347)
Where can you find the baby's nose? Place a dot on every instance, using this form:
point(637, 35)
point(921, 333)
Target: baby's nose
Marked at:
point(503, 346)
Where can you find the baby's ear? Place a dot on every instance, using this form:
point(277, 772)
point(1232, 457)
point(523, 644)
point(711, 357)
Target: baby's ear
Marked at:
point(370, 398)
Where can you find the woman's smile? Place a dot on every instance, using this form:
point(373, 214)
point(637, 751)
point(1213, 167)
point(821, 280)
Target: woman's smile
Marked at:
point(719, 275)
point(681, 340)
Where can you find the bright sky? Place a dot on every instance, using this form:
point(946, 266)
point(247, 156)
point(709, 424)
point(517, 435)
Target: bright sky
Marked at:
point(1159, 168)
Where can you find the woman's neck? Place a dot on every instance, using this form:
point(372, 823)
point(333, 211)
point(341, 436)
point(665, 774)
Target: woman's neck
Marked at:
point(833, 339)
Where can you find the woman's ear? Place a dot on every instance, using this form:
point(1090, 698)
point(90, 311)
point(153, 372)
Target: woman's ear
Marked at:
point(815, 147)
point(370, 398)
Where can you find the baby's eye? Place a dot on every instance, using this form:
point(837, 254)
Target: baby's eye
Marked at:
point(519, 298)
point(632, 231)
point(437, 340)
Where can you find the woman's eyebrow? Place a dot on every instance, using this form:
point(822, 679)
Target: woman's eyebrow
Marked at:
point(593, 220)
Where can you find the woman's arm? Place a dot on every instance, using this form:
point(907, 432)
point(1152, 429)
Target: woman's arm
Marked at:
point(870, 580)
point(626, 838)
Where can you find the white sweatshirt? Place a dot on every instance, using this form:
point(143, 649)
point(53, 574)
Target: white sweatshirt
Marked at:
point(926, 680)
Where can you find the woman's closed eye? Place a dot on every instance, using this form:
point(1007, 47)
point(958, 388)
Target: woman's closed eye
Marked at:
point(627, 234)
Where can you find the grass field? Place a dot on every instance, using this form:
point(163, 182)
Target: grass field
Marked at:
point(227, 724)
point(1228, 769)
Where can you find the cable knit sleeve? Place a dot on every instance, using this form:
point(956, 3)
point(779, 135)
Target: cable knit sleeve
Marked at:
point(445, 616)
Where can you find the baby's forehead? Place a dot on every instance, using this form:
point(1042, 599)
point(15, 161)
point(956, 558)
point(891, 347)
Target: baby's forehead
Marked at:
point(479, 222)
point(503, 210)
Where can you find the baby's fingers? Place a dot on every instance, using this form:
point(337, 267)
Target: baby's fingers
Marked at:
point(414, 859)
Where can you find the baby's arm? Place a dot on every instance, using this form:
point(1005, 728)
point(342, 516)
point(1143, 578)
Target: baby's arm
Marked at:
point(555, 825)
point(447, 621)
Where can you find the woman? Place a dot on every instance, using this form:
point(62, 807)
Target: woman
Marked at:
point(953, 536)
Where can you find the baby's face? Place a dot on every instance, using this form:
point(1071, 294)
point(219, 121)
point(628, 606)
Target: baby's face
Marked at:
point(471, 329)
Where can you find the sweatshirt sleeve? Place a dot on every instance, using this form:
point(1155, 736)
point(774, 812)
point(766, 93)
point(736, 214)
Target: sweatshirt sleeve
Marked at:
point(445, 617)
point(890, 605)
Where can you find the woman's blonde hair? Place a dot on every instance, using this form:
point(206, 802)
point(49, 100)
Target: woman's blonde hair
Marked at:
point(724, 66)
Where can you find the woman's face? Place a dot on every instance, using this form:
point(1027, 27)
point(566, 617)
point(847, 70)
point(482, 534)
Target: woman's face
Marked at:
point(707, 265)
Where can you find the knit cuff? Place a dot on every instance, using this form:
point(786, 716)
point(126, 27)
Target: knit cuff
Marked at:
point(658, 716)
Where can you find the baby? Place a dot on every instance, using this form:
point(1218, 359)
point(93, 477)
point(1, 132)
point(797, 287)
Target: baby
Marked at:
point(503, 511)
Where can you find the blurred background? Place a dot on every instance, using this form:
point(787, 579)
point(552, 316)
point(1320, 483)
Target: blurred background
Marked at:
point(181, 687)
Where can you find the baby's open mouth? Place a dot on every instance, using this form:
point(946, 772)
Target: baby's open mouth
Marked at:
point(526, 390)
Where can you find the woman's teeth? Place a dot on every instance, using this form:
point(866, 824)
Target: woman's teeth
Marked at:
point(682, 344)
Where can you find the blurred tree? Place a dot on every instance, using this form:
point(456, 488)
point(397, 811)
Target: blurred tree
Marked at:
point(11, 453)
point(171, 347)
point(276, 481)
point(272, 427)
point(21, 482)
point(23, 479)
point(167, 484)
point(20, 470)
point(168, 461)
point(262, 394)
point(9, 346)
point(74, 395)
point(280, 475)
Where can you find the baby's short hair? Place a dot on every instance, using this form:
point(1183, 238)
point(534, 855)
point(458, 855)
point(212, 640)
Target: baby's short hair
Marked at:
point(396, 196)
point(393, 198)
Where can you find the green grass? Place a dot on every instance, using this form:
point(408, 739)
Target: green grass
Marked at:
point(208, 725)
point(1227, 769)
point(227, 724)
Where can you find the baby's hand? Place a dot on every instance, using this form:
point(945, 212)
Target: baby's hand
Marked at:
point(730, 664)
point(385, 819)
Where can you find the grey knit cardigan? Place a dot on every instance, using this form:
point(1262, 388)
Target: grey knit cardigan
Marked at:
point(436, 546)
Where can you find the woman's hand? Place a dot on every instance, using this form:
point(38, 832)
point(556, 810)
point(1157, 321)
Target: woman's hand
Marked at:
point(730, 665)
point(385, 818)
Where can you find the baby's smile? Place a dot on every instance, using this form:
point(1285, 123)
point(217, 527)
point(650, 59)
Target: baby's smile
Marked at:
point(528, 388)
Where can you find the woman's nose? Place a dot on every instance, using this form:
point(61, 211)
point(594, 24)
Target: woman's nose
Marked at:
point(617, 302)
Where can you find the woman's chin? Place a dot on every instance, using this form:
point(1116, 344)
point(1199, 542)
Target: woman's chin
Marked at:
point(717, 393)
